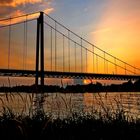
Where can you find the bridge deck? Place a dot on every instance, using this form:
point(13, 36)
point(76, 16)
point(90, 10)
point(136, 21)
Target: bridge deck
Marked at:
point(69, 75)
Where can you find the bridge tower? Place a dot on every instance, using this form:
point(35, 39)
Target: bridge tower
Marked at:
point(39, 78)
point(40, 51)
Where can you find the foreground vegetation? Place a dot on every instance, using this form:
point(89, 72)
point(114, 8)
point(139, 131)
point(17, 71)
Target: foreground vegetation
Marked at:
point(102, 123)
point(75, 127)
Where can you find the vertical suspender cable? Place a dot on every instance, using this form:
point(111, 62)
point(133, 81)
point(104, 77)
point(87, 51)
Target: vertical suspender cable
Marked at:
point(9, 50)
point(9, 45)
point(55, 48)
point(97, 63)
point(86, 60)
point(107, 67)
point(75, 55)
point(93, 58)
point(63, 53)
point(81, 56)
point(24, 44)
point(69, 49)
point(51, 48)
point(125, 67)
point(26, 41)
point(134, 70)
point(26, 33)
point(104, 63)
point(115, 65)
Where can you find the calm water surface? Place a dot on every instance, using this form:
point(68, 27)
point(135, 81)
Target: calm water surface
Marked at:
point(59, 104)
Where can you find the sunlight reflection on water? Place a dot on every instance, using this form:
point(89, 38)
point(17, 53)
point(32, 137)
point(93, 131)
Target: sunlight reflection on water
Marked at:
point(60, 104)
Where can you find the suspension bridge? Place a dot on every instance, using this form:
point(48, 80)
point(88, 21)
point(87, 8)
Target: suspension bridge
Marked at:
point(36, 45)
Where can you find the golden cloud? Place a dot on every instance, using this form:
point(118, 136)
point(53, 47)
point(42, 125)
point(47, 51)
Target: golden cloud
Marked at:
point(48, 10)
point(15, 3)
point(18, 13)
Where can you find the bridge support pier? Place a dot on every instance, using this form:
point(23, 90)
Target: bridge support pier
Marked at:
point(40, 51)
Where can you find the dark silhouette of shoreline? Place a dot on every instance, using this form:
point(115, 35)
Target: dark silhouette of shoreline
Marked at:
point(98, 87)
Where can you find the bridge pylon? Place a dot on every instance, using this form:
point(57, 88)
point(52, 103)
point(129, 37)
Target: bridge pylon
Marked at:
point(40, 51)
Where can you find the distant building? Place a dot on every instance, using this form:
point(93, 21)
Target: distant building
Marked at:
point(78, 81)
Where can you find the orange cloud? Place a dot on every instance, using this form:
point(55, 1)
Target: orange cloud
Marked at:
point(15, 3)
point(20, 19)
point(13, 8)
point(17, 13)
point(48, 10)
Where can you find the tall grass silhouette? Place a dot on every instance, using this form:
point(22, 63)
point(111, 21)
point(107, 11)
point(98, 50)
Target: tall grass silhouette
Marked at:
point(109, 119)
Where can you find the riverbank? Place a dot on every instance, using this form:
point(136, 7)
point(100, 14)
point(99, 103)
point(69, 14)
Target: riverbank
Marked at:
point(97, 87)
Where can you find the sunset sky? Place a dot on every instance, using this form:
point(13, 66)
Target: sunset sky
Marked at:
point(112, 25)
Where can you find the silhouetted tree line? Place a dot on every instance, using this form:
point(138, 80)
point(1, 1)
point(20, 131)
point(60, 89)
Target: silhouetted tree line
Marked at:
point(98, 87)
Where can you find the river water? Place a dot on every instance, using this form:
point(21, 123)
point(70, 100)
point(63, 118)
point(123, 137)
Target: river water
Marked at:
point(60, 104)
